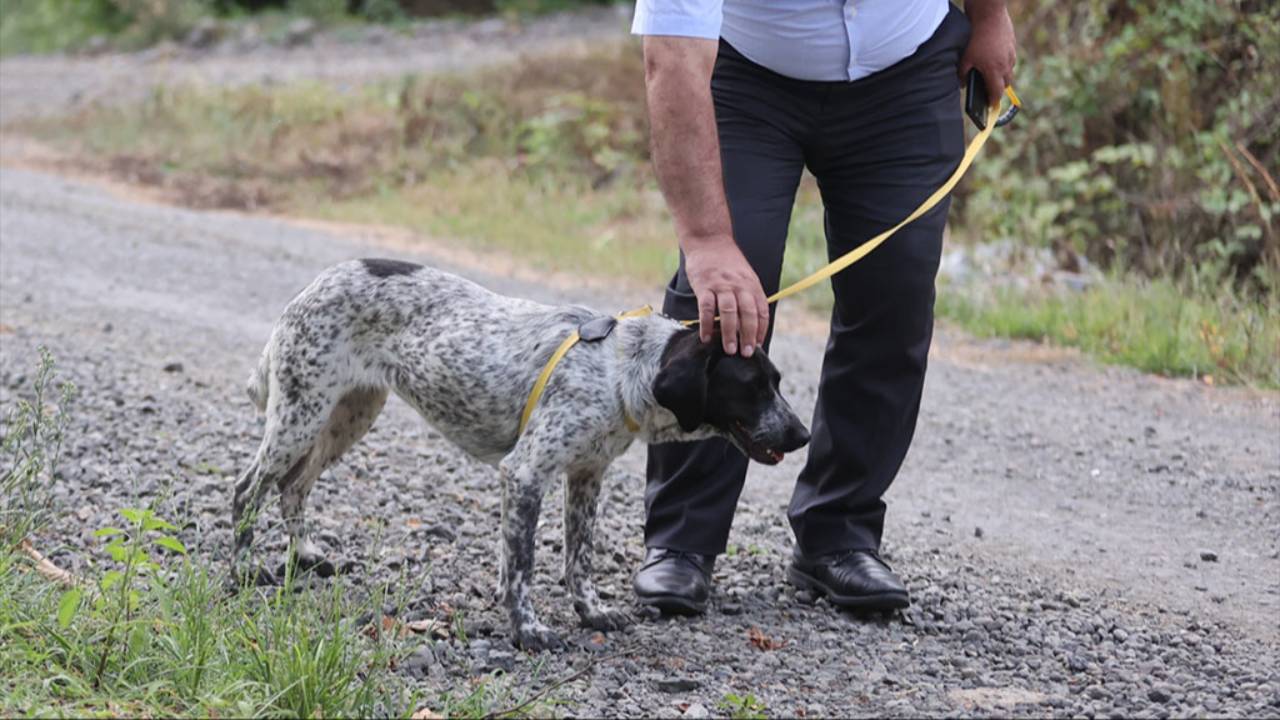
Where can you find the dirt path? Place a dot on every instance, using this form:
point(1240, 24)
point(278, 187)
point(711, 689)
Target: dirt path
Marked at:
point(1095, 490)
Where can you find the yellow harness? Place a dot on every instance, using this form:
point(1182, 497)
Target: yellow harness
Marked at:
point(835, 266)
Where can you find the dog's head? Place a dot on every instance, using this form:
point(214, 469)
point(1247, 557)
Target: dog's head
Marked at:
point(736, 396)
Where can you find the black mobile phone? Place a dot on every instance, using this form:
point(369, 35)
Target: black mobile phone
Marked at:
point(976, 101)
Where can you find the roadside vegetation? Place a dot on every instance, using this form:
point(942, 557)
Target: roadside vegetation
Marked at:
point(43, 26)
point(1144, 164)
point(148, 627)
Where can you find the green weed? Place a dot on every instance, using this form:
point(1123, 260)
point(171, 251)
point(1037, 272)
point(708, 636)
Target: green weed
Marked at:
point(743, 707)
point(31, 438)
point(149, 631)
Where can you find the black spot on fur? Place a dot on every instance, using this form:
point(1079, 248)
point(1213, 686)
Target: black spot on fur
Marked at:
point(379, 267)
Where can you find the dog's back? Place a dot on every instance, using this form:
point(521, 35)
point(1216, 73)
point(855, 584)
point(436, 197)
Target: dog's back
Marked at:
point(462, 356)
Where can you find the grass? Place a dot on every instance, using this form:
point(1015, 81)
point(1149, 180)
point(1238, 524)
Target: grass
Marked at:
point(1154, 325)
point(546, 161)
point(147, 629)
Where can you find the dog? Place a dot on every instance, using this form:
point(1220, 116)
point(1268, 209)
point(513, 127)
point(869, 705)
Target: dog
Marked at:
point(466, 359)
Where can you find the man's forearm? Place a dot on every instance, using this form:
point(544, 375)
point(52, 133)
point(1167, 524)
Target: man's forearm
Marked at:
point(983, 9)
point(685, 145)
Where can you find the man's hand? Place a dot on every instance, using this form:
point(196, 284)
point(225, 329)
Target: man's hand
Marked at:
point(686, 155)
point(992, 49)
point(721, 277)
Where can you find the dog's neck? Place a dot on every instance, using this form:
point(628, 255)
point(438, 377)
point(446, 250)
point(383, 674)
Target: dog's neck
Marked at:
point(641, 342)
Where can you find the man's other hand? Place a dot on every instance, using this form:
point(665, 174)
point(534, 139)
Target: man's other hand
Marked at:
point(723, 281)
point(992, 48)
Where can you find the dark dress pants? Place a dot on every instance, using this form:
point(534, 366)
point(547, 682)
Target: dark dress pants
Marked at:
point(878, 147)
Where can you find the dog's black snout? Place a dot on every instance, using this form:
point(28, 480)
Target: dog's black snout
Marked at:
point(795, 437)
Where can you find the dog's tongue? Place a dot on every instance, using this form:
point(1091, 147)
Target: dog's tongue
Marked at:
point(775, 456)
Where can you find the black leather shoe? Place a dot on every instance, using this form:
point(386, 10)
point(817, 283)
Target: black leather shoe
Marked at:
point(674, 581)
point(851, 579)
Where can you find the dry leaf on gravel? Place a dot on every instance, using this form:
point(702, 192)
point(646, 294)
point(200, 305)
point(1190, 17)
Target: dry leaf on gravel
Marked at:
point(763, 642)
point(436, 628)
point(425, 714)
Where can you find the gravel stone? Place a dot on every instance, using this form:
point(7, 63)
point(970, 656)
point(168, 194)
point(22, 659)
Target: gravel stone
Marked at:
point(1162, 692)
point(678, 685)
point(696, 710)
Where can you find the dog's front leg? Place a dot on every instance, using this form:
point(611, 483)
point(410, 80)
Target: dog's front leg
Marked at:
point(522, 486)
point(581, 493)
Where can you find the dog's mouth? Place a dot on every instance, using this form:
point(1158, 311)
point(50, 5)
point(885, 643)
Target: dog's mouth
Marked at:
point(756, 451)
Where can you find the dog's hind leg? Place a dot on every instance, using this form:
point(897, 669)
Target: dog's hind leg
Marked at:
point(581, 493)
point(273, 462)
point(295, 419)
point(348, 422)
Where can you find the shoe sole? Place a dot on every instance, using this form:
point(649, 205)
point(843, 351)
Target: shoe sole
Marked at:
point(673, 604)
point(879, 601)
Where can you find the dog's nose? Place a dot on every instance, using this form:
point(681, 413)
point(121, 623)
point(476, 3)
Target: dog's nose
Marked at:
point(796, 437)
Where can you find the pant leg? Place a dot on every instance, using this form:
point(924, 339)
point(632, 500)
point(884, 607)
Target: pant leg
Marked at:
point(890, 141)
point(693, 487)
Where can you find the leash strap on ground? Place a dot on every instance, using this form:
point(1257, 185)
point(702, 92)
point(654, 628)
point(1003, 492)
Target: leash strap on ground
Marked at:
point(567, 344)
point(840, 263)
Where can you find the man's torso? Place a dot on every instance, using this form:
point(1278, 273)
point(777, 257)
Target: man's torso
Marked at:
point(827, 40)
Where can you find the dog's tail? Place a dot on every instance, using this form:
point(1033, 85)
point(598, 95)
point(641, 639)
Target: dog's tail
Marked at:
point(259, 386)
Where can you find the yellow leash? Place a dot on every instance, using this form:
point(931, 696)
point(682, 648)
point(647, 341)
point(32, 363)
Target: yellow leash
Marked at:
point(840, 263)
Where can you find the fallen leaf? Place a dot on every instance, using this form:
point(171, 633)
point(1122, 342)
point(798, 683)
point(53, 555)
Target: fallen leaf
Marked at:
point(413, 523)
point(387, 625)
point(433, 626)
point(763, 642)
point(425, 713)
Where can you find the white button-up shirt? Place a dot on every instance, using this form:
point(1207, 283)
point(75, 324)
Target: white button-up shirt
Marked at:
point(802, 39)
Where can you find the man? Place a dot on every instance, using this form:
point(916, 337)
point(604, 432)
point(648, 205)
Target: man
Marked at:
point(743, 95)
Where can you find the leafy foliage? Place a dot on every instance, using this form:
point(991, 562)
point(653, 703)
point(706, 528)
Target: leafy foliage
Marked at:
point(1150, 141)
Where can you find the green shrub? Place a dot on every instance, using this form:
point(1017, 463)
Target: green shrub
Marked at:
point(1147, 138)
point(41, 26)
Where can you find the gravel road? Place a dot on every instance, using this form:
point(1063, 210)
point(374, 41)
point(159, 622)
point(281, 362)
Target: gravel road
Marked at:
point(1051, 519)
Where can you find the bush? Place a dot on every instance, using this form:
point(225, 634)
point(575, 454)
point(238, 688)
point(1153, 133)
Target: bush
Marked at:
point(1145, 146)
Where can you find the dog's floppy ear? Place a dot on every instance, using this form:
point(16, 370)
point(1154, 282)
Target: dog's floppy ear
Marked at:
point(681, 383)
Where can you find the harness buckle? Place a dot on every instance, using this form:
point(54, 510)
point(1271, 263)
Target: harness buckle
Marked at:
point(597, 329)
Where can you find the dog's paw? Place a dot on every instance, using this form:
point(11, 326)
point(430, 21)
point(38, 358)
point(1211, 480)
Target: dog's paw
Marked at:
point(317, 566)
point(250, 576)
point(604, 618)
point(537, 637)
